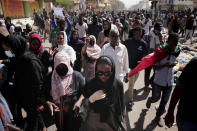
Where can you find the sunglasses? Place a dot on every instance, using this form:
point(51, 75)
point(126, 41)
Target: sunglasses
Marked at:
point(104, 73)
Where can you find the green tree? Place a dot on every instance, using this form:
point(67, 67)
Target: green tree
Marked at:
point(117, 5)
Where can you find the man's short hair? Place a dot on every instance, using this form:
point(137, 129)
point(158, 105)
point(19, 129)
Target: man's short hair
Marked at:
point(137, 29)
point(173, 36)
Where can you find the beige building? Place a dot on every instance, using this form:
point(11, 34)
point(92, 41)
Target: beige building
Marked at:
point(195, 4)
point(176, 4)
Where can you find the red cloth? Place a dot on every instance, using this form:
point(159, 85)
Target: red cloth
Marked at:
point(149, 60)
point(39, 51)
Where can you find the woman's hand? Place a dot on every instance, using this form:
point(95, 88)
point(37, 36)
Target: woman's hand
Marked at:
point(52, 107)
point(52, 52)
point(77, 105)
point(98, 95)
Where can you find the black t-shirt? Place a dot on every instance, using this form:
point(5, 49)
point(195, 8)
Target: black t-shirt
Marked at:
point(189, 24)
point(94, 29)
point(187, 108)
point(136, 51)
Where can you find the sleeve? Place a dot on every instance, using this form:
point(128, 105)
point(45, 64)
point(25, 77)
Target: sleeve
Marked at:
point(72, 55)
point(89, 27)
point(151, 43)
point(45, 58)
point(86, 26)
point(3, 74)
point(150, 23)
point(103, 51)
point(99, 38)
point(145, 52)
point(81, 83)
point(69, 27)
point(126, 61)
point(86, 91)
point(121, 97)
point(37, 81)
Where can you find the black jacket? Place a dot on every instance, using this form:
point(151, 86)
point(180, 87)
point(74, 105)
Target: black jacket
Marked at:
point(28, 79)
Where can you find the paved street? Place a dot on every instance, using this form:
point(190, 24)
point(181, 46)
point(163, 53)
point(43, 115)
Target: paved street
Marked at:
point(141, 119)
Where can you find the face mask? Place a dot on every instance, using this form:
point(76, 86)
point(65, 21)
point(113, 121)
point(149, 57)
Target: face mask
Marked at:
point(9, 54)
point(91, 43)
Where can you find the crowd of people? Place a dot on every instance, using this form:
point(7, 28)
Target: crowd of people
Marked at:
point(78, 84)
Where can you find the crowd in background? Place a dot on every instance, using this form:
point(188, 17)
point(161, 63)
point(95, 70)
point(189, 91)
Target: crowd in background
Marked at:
point(78, 84)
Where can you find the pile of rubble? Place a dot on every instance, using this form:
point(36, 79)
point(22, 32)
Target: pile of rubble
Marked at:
point(187, 53)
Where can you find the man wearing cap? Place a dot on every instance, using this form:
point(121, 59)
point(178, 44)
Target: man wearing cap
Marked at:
point(155, 39)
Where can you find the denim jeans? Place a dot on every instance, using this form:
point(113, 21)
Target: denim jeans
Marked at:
point(156, 95)
point(185, 125)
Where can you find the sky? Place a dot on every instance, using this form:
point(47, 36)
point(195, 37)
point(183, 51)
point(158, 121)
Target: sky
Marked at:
point(128, 3)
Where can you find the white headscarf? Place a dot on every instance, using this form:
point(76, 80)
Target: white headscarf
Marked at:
point(68, 49)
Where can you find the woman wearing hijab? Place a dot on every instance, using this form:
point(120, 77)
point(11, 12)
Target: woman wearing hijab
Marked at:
point(90, 53)
point(63, 46)
point(77, 45)
point(38, 49)
point(27, 80)
point(103, 37)
point(104, 99)
point(66, 85)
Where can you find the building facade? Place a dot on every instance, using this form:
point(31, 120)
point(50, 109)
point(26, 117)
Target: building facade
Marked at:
point(20, 8)
point(175, 4)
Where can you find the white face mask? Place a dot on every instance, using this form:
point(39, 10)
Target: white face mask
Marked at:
point(9, 54)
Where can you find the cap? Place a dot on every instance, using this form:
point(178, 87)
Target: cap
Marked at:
point(4, 31)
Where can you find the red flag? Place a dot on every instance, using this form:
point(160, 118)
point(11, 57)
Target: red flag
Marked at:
point(149, 60)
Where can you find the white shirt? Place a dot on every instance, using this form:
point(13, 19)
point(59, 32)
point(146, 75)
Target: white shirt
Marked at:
point(120, 57)
point(2, 21)
point(81, 29)
point(11, 29)
point(194, 24)
point(147, 26)
point(164, 76)
point(154, 40)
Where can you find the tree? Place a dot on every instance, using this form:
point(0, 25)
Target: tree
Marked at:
point(117, 5)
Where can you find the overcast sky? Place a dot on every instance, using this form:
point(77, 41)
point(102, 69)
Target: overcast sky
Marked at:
point(128, 3)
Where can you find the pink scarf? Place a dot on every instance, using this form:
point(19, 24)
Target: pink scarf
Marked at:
point(59, 86)
point(93, 51)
